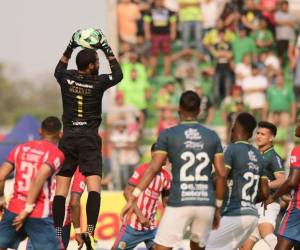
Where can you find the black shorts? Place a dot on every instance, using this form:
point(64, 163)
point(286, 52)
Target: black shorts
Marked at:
point(282, 47)
point(83, 150)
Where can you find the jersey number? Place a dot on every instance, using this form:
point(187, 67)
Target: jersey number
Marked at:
point(251, 179)
point(27, 171)
point(80, 105)
point(190, 158)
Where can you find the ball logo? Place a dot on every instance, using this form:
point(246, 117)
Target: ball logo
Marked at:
point(122, 245)
point(293, 159)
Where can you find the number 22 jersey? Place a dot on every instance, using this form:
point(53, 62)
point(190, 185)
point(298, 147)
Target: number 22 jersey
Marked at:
point(191, 149)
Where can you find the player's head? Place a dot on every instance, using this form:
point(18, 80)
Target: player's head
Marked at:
point(87, 61)
point(189, 105)
point(265, 134)
point(243, 127)
point(51, 129)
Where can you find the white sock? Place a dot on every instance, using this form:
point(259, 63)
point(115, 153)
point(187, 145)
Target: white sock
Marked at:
point(271, 240)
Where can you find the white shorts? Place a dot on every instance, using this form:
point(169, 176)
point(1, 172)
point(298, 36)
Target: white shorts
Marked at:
point(175, 220)
point(267, 216)
point(231, 234)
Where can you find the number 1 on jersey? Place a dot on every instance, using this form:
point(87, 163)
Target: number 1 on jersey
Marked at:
point(80, 105)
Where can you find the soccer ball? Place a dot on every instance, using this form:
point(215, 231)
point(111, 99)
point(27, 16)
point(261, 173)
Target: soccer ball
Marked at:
point(87, 38)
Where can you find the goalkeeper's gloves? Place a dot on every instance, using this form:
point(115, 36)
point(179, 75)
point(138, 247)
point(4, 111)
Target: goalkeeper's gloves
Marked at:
point(71, 46)
point(103, 44)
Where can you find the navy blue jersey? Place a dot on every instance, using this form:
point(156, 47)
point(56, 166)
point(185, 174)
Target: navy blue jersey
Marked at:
point(191, 149)
point(246, 168)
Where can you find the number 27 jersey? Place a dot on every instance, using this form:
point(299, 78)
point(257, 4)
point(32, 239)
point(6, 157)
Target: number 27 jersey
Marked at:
point(191, 149)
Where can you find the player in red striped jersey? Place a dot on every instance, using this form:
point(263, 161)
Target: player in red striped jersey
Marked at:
point(289, 230)
point(141, 225)
point(35, 163)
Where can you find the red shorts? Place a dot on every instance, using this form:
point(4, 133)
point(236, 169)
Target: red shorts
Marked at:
point(78, 183)
point(160, 43)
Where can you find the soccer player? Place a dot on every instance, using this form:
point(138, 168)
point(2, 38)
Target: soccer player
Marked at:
point(274, 170)
point(82, 91)
point(246, 183)
point(191, 149)
point(35, 164)
point(142, 225)
point(289, 230)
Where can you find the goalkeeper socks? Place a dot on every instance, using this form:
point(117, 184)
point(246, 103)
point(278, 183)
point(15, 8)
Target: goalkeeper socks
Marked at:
point(58, 209)
point(92, 210)
point(271, 240)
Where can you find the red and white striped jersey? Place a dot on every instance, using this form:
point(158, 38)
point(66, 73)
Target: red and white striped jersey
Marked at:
point(148, 200)
point(27, 159)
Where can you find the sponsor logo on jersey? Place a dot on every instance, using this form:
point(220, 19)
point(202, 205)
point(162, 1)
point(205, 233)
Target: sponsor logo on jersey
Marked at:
point(192, 134)
point(252, 156)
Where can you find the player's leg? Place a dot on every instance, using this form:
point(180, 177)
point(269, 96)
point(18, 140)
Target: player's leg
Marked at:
point(9, 237)
point(41, 233)
point(251, 241)
point(75, 214)
point(171, 227)
point(284, 244)
point(267, 233)
point(63, 179)
point(201, 226)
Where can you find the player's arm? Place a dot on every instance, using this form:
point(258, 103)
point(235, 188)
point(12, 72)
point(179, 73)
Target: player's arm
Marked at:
point(165, 196)
point(290, 183)
point(278, 181)
point(263, 189)
point(109, 80)
point(34, 190)
point(5, 170)
point(64, 60)
point(221, 177)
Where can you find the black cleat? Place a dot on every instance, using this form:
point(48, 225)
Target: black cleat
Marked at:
point(88, 241)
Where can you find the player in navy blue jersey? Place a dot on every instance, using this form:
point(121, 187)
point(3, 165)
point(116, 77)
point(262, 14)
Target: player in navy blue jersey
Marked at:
point(192, 149)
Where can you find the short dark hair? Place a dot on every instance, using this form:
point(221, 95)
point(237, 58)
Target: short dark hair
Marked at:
point(190, 102)
point(247, 122)
point(153, 147)
point(284, 2)
point(268, 125)
point(51, 125)
point(85, 57)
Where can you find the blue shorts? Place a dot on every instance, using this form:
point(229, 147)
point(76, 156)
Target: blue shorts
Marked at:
point(290, 225)
point(129, 238)
point(40, 231)
point(66, 230)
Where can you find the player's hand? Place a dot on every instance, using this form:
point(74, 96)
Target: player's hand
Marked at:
point(79, 240)
point(19, 220)
point(217, 218)
point(144, 221)
point(103, 44)
point(127, 209)
point(73, 44)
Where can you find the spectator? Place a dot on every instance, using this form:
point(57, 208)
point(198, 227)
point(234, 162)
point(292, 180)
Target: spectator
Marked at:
point(267, 8)
point(243, 45)
point(231, 106)
point(128, 14)
point(271, 62)
point(124, 112)
point(124, 154)
point(136, 91)
point(190, 21)
point(160, 28)
point(243, 69)
point(207, 110)
point(167, 97)
point(263, 37)
point(254, 88)
point(250, 16)
point(223, 74)
point(185, 59)
point(281, 103)
point(166, 119)
point(212, 37)
point(297, 72)
point(133, 63)
point(210, 13)
point(125, 51)
point(285, 23)
point(230, 16)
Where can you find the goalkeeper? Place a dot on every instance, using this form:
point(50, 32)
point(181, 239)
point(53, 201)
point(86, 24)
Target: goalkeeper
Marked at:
point(82, 91)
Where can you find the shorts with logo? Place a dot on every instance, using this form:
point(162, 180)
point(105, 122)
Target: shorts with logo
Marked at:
point(83, 150)
point(268, 215)
point(233, 231)
point(290, 225)
point(129, 238)
point(176, 219)
point(40, 231)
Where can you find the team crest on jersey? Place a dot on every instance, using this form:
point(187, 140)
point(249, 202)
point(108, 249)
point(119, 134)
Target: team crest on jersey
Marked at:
point(122, 245)
point(252, 156)
point(192, 134)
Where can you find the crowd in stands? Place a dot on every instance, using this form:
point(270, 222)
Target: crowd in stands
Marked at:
point(239, 55)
